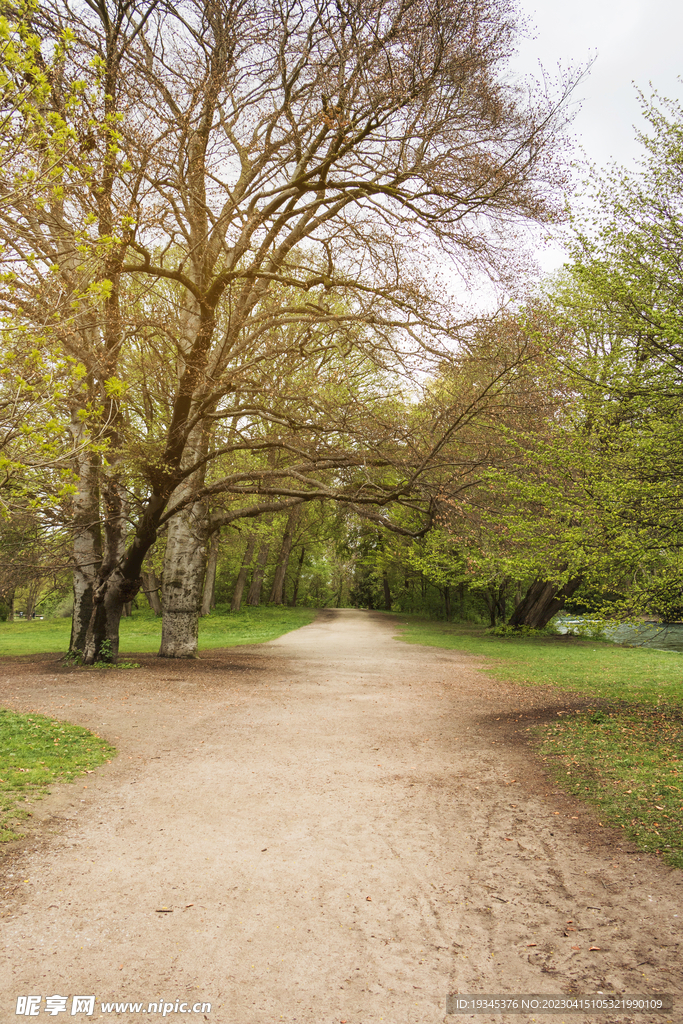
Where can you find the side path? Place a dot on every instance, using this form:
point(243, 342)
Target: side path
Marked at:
point(321, 829)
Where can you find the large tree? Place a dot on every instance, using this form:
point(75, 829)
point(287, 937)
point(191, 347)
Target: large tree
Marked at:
point(212, 152)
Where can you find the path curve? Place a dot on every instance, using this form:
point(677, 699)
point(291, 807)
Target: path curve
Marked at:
point(339, 833)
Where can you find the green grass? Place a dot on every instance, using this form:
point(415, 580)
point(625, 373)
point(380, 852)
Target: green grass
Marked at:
point(601, 669)
point(624, 755)
point(36, 751)
point(628, 764)
point(141, 633)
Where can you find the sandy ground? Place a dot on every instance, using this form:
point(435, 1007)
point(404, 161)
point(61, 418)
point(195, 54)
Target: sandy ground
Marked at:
point(342, 828)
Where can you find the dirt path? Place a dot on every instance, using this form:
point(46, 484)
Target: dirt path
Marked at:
point(342, 833)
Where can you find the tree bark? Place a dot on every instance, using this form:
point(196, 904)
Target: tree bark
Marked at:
point(543, 599)
point(87, 547)
point(447, 602)
point(113, 590)
point(254, 595)
point(151, 586)
point(295, 592)
point(208, 602)
point(183, 582)
point(236, 603)
point(277, 593)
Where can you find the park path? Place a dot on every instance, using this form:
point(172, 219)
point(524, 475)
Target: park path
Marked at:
point(339, 830)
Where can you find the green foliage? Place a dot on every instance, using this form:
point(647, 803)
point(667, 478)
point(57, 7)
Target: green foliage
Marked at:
point(36, 751)
point(597, 492)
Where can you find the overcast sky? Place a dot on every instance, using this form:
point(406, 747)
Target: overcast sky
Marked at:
point(634, 42)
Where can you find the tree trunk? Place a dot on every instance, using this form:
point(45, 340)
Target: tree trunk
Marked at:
point(490, 600)
point(151, 586)
point(87, 549)
point(387, 592)
point(127, 610)
point(543, 599)
point(208, 602)
point(461, 601)
point(102, 635)
point(183, 582)
point(447, 602)
point(10, 606)
point(254, 595)
point(277, 593)
point(243, 573)
point(32, 595)
point(295, 592)
point(112, 590)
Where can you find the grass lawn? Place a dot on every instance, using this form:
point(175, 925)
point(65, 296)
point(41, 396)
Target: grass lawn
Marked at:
point(36, 751)
point(625, 754)
point(141, 633)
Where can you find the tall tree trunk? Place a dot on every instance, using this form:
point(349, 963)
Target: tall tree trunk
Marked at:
point(277, 593)
point(243, 573)
point(87, 546)
point(461, 601)
point(10, 605)
point(183, 582)
point(490, 600)
point(297, 578)
point(387, 592)
point(543, 599)
point(151, 586)
point(112, 591)
point(208, 601)
point(32, 595)
point(447, 602)
point(254, 595)
point(185, 560)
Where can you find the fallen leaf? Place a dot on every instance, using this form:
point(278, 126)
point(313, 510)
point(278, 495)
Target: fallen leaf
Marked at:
point(508, 840)
point(188, 905)
point(576, 947)
point(530, 944)
point(164, 910)
point(369, 899)
point(264, 849)
point(591, 948)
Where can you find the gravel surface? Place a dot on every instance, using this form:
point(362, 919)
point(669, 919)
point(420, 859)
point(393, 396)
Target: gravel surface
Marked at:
point(331, 827)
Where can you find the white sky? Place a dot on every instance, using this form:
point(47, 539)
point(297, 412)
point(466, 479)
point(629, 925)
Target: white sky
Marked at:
point(635, 42)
